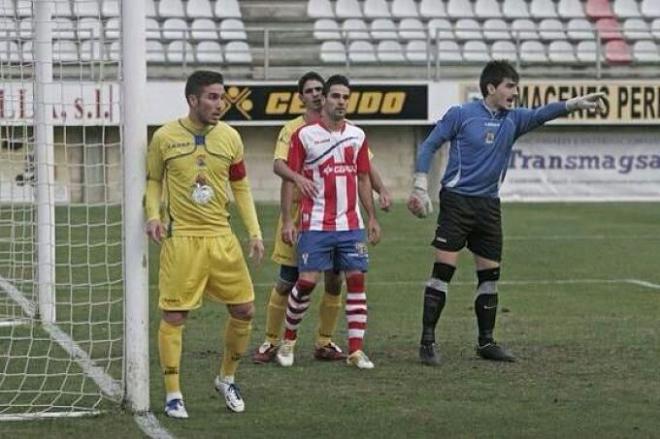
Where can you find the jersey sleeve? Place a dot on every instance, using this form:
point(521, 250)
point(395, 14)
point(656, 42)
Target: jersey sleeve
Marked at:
point(237, 169)
point(155, 169)
point(363, 158)
point(527, 120)
point(240, 187)
point(446, 129)
point(282, 144)
point(296, 156)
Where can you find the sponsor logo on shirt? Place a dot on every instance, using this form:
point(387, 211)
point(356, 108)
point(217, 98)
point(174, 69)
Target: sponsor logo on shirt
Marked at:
point(341, 169)
point(178, 145)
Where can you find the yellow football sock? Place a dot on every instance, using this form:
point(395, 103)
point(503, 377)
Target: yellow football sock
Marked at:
point(328, 316)
point(169, 347)
point(237, 337)
point(275, 316)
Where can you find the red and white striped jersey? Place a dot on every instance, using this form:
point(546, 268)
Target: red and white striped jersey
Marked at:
point(333, 160)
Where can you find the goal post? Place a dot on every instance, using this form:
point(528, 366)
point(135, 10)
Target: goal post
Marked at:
point(73, 254)
point(134, 81)
point(44, 159)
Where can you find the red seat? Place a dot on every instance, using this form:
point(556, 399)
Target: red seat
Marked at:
point(598, 9)
point(617, 52)
point(609, 29)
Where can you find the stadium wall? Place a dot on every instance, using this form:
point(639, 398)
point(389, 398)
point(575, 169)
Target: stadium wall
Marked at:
point(611, 154)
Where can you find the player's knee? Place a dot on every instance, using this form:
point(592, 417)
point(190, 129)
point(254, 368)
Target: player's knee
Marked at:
point(355, 282)
point(283, 287)
point(175, 318)
point(488, 280)
point(288, 278)
point(244, 311)
point(443, 272)
point(332, 283)
point(305, 287)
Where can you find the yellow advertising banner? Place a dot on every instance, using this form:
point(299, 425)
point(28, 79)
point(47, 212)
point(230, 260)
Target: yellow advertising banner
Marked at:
point(625, 103)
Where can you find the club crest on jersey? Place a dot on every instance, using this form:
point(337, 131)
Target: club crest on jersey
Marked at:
point(490, 137)
point(201, 161)
point(202, 193)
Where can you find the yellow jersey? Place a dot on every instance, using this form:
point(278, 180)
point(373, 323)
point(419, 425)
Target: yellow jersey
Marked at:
point(195, 166)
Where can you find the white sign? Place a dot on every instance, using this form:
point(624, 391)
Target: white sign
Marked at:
point(83, 103)
point(581, 166)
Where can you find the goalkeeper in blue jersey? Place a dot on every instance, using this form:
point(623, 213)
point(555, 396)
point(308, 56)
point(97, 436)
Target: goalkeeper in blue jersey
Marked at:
point(480, 135)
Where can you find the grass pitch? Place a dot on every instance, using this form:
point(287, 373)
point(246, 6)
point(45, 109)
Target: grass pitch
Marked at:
point(579, 306)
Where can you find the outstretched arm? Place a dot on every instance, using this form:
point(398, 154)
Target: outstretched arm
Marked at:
point(589, 101)
point(532, 119)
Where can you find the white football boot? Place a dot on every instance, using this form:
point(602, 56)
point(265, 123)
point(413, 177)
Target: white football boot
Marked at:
point(231, 393)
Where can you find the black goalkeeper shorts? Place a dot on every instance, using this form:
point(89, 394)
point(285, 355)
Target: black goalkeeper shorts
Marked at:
point(476, 221)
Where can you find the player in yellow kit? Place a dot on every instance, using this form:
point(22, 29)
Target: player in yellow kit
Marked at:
point(191, 160)
point(310, 87)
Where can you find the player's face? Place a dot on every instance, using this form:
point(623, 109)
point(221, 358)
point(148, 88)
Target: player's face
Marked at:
point(207, 107)
point(312, 96)
point(503, 97)
point(336, 101)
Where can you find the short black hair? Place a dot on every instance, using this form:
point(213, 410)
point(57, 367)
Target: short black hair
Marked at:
point(200, 79)
point(334, 80)
point(494, 73)
point(309, 76)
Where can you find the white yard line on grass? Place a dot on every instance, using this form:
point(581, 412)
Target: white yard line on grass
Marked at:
point(420, 282)
point(109, 386)
point(537, 238)
point(18, 297)
point(149, 424)
point(643, 283)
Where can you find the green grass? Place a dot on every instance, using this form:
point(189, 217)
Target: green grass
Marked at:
point(588, 349)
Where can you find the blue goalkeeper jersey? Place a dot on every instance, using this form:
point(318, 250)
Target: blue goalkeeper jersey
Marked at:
point(480, 144)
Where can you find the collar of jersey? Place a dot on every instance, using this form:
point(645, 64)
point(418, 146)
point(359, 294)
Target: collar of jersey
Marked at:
point(189, 126)
point(493, 114)
point(325, 127)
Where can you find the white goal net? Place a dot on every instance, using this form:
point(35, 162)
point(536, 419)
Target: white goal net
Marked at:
point(61, 262)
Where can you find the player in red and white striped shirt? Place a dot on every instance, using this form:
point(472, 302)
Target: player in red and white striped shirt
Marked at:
point(332, 153)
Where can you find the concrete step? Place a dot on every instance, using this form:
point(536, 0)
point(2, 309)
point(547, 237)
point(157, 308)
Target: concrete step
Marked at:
point(261, 11)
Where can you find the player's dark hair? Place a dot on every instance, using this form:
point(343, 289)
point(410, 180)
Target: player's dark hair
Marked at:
point(309, 76)
point(494, 73)
point(200, 79)
point(335, 80)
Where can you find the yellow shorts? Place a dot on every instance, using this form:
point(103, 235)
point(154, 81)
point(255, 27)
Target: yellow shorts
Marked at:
point(283, 253)
point(193, 265)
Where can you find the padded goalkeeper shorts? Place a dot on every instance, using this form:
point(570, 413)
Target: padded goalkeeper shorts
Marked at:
point(475, 221)
point(191, 266)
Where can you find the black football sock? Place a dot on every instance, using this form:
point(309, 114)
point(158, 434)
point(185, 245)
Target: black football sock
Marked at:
point(435, 296)
point(485, 306)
